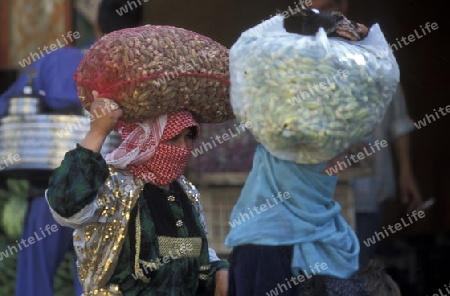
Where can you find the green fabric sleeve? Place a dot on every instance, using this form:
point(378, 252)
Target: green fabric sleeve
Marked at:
point(75, 183)
point(219, 265)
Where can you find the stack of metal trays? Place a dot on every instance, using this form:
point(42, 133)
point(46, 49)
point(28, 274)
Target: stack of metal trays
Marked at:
point(25, 105)
point(30, 142)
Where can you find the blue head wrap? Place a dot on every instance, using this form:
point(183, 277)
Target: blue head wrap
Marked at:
point(284, 203)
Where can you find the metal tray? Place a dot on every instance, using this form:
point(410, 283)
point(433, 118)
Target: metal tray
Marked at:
point(25, 105)
point(41, 141)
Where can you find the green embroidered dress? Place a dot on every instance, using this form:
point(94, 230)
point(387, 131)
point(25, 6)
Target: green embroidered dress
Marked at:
point(173, 254)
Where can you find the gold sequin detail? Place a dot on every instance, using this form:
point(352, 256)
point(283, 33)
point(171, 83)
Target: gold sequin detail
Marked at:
point(98, 244)
point(190, 189)
point(111, 290)
point(194, 196)
point(171, 198)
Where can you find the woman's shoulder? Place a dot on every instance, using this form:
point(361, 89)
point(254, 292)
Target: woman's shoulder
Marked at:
point(116, 174)
point(118, 182)
point(189, 188)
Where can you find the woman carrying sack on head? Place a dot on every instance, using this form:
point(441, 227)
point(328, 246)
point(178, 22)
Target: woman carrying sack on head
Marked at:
point(288, 236)
point(139, 224)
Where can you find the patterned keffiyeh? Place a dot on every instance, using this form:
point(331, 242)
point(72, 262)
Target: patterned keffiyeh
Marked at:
point(144, 153)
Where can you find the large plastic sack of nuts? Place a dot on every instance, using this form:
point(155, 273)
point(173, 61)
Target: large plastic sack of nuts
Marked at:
point(310, 97)
point(154, 70)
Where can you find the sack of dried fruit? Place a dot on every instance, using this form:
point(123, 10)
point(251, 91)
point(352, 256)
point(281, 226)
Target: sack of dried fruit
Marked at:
point(154, 70)
point(310, 97)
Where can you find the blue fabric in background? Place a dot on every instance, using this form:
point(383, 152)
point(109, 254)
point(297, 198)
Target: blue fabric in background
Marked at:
point(284, 203)
point(54, 76)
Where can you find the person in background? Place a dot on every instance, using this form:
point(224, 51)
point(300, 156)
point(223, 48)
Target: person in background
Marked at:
point(371, 191)
point(38, 263)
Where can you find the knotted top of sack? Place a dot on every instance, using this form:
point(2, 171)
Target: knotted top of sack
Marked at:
point(154, 70)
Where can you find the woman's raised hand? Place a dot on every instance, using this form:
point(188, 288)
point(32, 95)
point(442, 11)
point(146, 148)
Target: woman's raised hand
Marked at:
point(105, 114)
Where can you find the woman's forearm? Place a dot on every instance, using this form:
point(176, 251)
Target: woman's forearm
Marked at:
point(402, 152)
point(93, 141)
point(75, 184)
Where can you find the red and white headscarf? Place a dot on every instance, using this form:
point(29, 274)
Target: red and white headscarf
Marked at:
point(143, 152)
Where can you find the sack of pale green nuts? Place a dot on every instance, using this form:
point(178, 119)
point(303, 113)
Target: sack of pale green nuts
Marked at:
point(154, 70)
point(310, 97)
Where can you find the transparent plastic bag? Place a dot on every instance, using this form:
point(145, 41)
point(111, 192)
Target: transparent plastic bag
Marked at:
point(310, 97)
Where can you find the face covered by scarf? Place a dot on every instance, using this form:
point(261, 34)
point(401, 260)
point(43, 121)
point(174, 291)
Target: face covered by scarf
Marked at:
point(145, 151)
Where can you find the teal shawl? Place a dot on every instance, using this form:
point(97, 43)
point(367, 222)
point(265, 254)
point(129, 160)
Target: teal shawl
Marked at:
point(284, 203)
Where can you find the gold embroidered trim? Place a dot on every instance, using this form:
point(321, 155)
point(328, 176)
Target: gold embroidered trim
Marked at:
point(168, 246)
point(179, 247)
point(203, 277)
point(137, 269)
